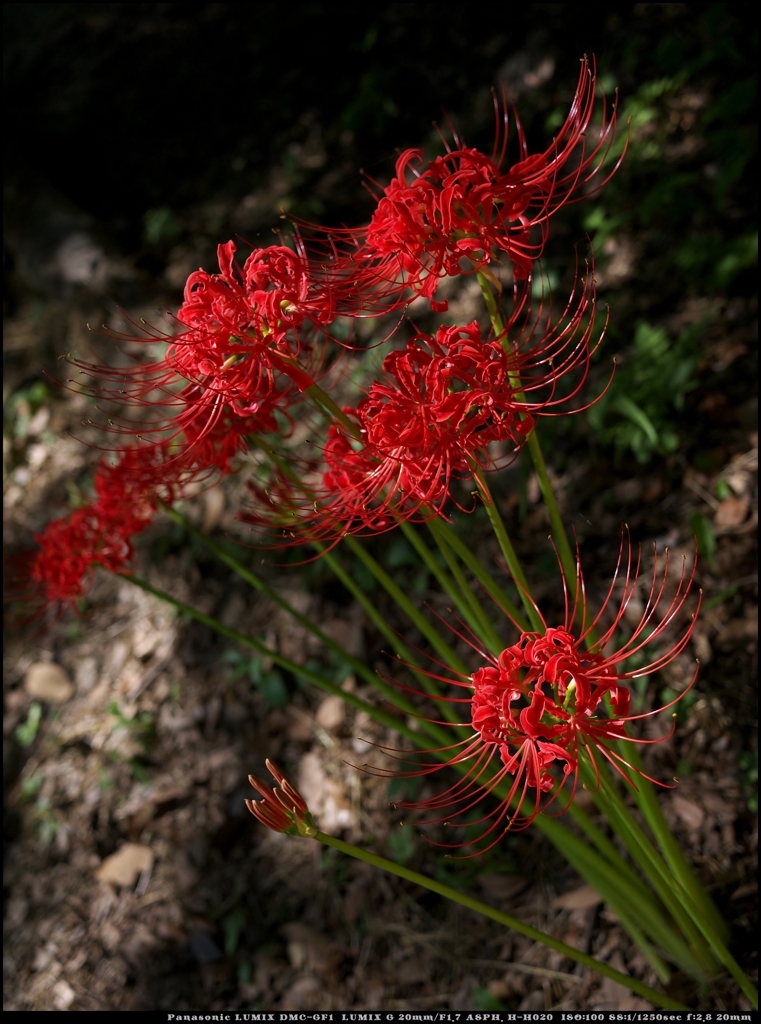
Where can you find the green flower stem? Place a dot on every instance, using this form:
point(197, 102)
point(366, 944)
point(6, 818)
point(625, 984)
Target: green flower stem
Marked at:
point(290, 666)
point(491, 304)
point(592, 867)
point(405, 655)
point(442, 648)
point(631, 903)
point(607, 849)
point(589, 865)
point(640, 847)
point(647, 801)
point(331, 411)
point(567, 559)
point(592, 872)
point(504, 919)
point(617, 884)
point(693, 897)
point(620, 888)
point(319, 398)
point(446, 536)
point(457, 588)
point(282, 464)
point(359, 667)
point(726, 958)
point(688, 903)
point(618, 816)
point(508, 550)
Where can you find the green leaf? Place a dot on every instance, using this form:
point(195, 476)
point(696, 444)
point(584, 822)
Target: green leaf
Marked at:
point(160, 225)
point(482, 999)
point(232, 926)
point(741, 254)
point(722, 489)
point(706, 538)
point(30, 786)
point(633, 412)
point(26, 732)
point(272, 687)
point(401, 845)
point(363, 578)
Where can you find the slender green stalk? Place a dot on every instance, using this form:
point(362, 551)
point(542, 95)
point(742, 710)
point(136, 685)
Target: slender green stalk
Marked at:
point(567, 559)
point(631, 903)
point(641, 848)
point(491, 304)
point(644, 854)
point(359, 667)
point(732, 966)
point(597, 871)
point(331, 411)
point(445, 535)
point(282, 464)
point(590, 866)
point(405, 655)
point(447, 655)
point(647, 801)
point(680, 891)
point(693, 898)
point(399, 646)
point(319, 398)
point(290, 666)
point(607, 849)
point(442, 648)
point(508, 550)
point(457, 589)
point(504, 919)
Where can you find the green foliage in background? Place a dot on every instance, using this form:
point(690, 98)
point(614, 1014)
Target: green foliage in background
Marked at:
point(748, 764)
point(268, 681)
point(21, 407)
point(649, 386)
point(678, 209)
point(702, 530)
point(26, 733)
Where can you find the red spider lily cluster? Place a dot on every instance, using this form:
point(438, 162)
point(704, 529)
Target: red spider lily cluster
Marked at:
point(249, 351)
point(234, 361)
point(127, 494)
point(448, 405)
point(250, 348)
point(542, 701)
point(465, 210)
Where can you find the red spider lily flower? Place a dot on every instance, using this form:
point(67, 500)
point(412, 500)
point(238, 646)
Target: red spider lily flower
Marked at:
point(449, 406)
point(127, 495)
point(128, 492)
point(212, 443)
point(444, 400)
point(550, 700)
point(465, 209)
point(69, 548)
point(283, 809)
point(230, 317)
point(237, 354)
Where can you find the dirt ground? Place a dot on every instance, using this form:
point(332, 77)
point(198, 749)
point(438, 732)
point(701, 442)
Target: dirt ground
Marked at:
point(136, 879)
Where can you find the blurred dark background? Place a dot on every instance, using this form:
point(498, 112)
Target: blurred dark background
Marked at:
point(124, 109)
point(138, 137)
point(141, 135)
